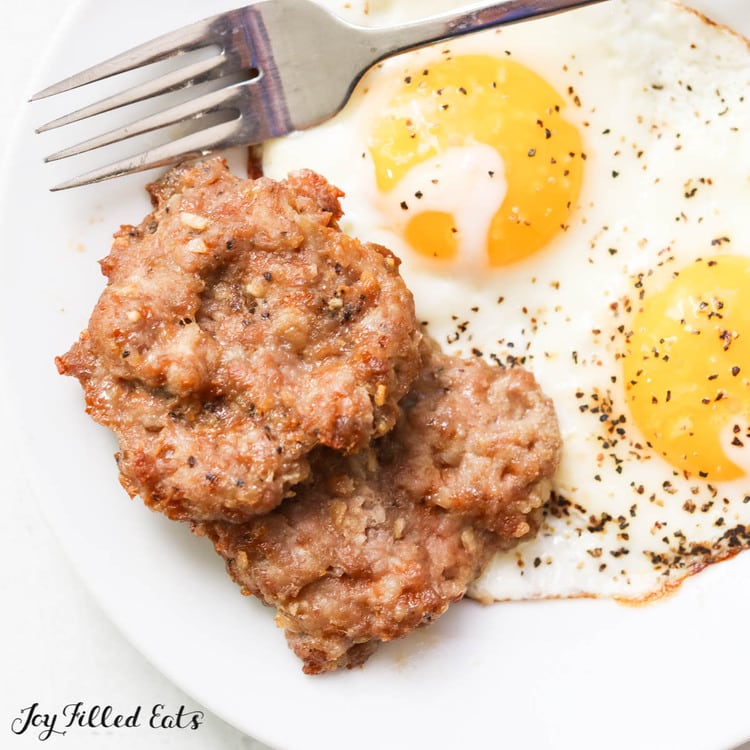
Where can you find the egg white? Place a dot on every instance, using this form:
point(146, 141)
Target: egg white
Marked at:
point(662, 100)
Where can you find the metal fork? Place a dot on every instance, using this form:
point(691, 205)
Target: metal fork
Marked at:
point(298, 62)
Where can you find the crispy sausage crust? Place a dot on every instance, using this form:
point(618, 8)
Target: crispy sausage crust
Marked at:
point(378, 544)
point(240, 329)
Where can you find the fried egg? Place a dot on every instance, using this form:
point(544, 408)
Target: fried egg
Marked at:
point(570, 195)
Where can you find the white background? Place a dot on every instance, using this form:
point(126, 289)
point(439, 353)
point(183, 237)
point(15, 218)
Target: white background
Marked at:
point(56, 647)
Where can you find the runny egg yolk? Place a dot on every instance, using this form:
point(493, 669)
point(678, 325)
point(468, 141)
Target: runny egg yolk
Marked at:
point(463, 101)
point(688, 370)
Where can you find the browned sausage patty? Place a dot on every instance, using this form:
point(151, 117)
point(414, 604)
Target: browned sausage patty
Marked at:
point(240, 329)
point(378, 544)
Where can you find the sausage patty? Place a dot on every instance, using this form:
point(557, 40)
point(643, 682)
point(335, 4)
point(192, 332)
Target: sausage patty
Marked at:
point(240, 329)
point(378, 544)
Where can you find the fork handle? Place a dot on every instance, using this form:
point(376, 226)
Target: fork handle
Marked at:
point(389, 41)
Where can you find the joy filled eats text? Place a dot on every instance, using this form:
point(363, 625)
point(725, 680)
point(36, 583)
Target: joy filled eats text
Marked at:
point(34, 719)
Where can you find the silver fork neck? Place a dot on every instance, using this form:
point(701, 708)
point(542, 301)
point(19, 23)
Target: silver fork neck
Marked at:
point(387, 41)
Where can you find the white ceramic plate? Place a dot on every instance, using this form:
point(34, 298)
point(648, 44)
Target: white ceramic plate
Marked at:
point(567, 674)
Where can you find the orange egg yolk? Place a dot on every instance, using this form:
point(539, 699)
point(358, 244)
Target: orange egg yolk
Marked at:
point(472, 99)
point(687, 372)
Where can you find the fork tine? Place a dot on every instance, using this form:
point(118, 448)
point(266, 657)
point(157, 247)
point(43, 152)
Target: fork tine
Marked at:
point(188, 38)
point(215, 101)
point(192, 146)
point(251, 125)
point(192, 74)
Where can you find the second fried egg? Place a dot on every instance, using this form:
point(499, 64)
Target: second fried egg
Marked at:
point(570, 195)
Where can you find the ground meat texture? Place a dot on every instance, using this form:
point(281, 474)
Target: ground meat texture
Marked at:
point(240, 329)
point(378, 544)
point(477, 439)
